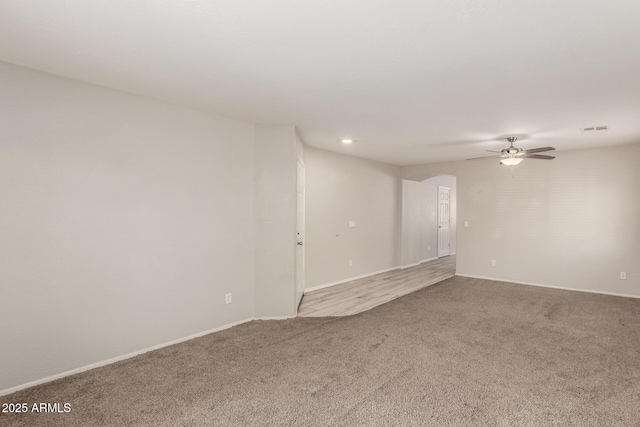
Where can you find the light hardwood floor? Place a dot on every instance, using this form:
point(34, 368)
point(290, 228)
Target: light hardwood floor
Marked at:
point(363, 294)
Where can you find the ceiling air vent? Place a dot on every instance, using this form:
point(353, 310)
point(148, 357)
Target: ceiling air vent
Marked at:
point(594, 128)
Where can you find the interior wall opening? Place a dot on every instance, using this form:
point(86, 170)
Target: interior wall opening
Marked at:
point(428, 223)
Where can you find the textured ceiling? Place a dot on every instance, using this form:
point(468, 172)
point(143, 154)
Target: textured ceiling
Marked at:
point(411, 81)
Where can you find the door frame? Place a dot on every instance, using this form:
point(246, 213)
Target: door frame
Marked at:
point(300, 233)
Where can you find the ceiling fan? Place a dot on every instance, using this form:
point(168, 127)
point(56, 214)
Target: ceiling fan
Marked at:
point(512, 156)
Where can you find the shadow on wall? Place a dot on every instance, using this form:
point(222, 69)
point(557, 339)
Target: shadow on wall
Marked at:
point(420, 220)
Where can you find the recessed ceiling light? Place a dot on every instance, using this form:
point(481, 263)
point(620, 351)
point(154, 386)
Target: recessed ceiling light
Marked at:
point(346, 141)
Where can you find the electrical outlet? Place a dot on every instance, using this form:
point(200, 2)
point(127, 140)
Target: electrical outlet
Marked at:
point(227, 299)
point(350, 263)
point(623, 275)
point(493, 263)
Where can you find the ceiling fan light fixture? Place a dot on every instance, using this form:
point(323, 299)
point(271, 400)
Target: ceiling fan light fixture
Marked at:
point(511, 161)
point(512, 156)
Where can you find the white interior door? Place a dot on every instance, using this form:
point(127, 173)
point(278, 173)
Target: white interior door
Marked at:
point(444, 220)
point(300, 235)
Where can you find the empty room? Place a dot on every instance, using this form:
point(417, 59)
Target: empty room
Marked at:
point(243, 213)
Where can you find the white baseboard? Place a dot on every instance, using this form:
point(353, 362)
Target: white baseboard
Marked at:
point(126, 356)
point(402, 267)
point(339, 282)
point(274, 318)
point(420, 262)
point(590, 291)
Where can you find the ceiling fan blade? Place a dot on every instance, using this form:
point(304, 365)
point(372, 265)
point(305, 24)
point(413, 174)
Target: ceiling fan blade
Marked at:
point(539, 150)
point(538, 156)
point(493, 151)
point(483, 157)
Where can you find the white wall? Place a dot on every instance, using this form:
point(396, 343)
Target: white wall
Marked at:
point(341, 189)
point(275, 206)
point(412, 215)
point(299, 148)
point(572, 222)
point(123, 223)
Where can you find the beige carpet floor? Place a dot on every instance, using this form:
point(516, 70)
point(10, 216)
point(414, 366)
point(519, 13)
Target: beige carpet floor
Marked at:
point(462, 352)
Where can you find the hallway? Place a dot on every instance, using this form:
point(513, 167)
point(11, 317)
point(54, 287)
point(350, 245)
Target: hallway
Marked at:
point(363, 294)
